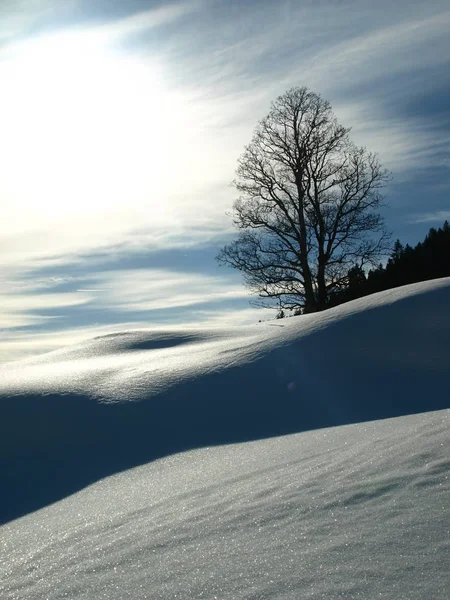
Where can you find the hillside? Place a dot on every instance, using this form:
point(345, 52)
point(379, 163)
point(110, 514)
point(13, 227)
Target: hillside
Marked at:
point(338, 511)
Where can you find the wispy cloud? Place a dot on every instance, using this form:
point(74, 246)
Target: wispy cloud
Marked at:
point(149, 151)
point(147, 20)
point(406, 144)
point(384, 52)
point(152, 289)
point(27, 302)
point(17, 17)
point(438, 216)
point(120, 137)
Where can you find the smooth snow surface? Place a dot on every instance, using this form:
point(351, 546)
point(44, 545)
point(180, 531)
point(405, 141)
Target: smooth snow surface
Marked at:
point(355, 511)
point(361, 511)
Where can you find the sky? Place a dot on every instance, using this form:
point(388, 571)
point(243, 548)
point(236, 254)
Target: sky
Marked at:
point(121, 124)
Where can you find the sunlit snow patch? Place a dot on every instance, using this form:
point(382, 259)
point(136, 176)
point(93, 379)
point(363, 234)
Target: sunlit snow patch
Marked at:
point(356, 512)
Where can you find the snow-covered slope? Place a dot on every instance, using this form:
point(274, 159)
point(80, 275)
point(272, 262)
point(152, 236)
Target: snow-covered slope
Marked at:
point(359, 511)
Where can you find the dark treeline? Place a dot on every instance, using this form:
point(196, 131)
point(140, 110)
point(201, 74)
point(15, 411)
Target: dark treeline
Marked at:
point(430, 259)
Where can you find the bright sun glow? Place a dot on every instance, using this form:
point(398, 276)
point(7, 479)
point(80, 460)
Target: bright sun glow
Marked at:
point(83, 130)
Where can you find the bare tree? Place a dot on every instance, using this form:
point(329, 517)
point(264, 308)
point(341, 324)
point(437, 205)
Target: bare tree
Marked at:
point(307, 210)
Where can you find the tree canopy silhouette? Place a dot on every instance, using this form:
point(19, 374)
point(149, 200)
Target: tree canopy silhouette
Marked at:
point(307, 212)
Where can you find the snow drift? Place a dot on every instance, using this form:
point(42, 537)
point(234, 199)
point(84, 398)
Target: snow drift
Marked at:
point(74, 416)
point(358, 511)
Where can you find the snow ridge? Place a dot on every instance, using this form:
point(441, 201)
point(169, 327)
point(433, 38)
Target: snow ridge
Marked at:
point(135, 452)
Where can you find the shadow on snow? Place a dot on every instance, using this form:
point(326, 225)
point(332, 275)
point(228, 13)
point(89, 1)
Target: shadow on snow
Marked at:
point(384, 362)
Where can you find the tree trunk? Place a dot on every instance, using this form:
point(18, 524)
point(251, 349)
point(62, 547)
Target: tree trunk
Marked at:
point(310, 299)
point(322, 296)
